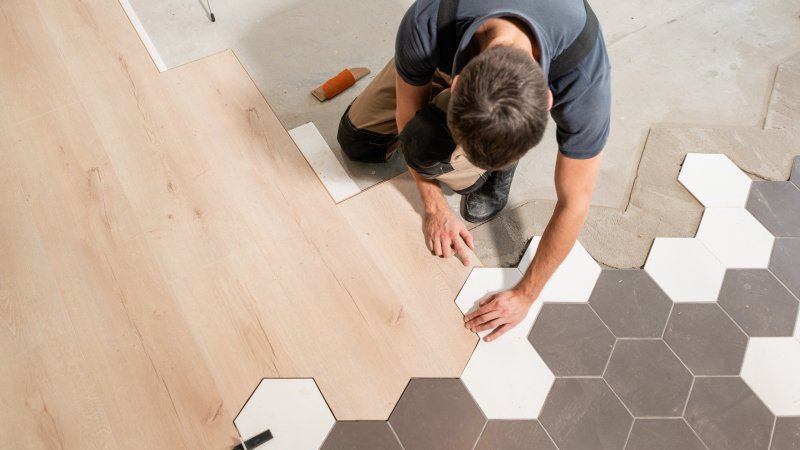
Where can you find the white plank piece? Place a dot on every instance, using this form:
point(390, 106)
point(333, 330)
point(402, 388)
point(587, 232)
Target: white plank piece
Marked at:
point(715, 180)
point(772, 370)
point(736, 238)
point(292, 409)
point(148, 44)
point(685, 269)
point(321, 158)
point(574, 279)
point(508, 379)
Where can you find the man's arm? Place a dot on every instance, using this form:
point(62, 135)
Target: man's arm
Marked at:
point(574, 181)
point(443, 231)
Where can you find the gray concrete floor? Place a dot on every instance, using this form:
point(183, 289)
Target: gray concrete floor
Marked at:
point(678, 64)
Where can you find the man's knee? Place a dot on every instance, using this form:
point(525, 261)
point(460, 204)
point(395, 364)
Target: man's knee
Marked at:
point(363, 145)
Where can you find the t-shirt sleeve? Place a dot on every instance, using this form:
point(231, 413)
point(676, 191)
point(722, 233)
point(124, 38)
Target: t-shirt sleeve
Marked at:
point(582, 112)
point(415, 48)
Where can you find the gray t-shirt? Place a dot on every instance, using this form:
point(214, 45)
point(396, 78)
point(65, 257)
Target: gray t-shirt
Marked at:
point(581, 98)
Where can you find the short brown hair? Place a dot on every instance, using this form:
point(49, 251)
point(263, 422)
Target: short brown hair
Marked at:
point(498, 110)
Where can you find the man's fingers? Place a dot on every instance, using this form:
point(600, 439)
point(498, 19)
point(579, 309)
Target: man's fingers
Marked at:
point(489, 325)
point(479, 312)
point(461, 252)
point(437, 246)
point(480, 320)
point(447, 247)
point(467, 237)
point(499, 331)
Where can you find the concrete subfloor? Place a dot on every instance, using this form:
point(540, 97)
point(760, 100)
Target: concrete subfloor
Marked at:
point(688, 76)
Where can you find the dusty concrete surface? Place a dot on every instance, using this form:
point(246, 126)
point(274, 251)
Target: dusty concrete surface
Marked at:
point(659, 204)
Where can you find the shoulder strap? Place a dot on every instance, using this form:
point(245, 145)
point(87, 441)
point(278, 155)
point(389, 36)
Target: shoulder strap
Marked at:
point(446, 33)
point(579, 48)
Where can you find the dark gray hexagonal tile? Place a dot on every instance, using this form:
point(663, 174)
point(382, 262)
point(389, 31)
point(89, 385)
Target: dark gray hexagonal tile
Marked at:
point(514, 435)
point(785, 261)
point(795, 176)
point(583, 413)
point(758, 302)
point(663, 434)
point(727, 415)
point(776, 204)
point(648, 378)
point(361, 435)
point(787, 432)
point(571, 339)
point(705, 339)
point(436, 413)
point(630, 303)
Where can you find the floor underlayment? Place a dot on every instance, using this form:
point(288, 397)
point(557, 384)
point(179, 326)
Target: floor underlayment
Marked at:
point(699, 350)
point(709, 83)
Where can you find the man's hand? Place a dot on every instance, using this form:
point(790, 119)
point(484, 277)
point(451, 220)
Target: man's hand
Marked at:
point(502, 311)
point(445, 235)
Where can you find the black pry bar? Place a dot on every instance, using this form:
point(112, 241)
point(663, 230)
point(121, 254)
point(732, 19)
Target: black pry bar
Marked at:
point(210, 13)
point(254, 441)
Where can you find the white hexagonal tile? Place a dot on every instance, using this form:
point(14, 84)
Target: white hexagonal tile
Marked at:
point(574, 279)
point(508, 379)
point(292, 409)
point(772, 370)
point(736, 238)
point(485, 281)
point(685, 269)
point(715, 180)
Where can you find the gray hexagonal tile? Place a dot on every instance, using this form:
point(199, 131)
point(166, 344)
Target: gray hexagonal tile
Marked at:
point(630, 303)
point(361, 435)
point(787, 431)
point(705, 339)
point(649, 379)
point(663, 434)
point(785, 261)
point(758, 302)
point(583, 413)
point(571, 339)
point(776, 204)
point(436, 413)
point(727, 415)
point(514, 435)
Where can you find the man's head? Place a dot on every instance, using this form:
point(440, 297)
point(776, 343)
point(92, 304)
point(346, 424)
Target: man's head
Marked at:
point(498, 107)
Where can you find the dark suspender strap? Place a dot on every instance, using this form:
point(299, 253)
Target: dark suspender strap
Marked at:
point(576, 51)
point(446, 29)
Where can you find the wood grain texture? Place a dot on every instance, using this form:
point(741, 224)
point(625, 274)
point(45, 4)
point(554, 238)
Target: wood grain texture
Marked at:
point(164, 246)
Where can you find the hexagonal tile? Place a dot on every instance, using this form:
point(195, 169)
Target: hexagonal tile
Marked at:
point(583, 413)
point(776, 204)
point(787, 434)
point(630, 303)
point(292, 408)
point(648, 378)
point(514, 435)
point(785, 261)
point(685, 269)
point(736, 238)
point(727, 415)
point(485, 281)
point(508, 379)
point(572, 340)
point(361, 435)
point(705, 339)
point(663, 434)
point(436, 413)
point(758, 302)
point(772, 369)
point(574, 279)
point(714, 180)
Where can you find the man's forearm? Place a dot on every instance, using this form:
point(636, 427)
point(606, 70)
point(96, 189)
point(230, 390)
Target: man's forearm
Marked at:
point(557, 241)
point(431, 193)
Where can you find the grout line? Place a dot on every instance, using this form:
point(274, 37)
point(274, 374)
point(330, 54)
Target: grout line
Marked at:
point(772, 433)
point(608, 362)
point(666, 323)
point(630, 432)
point(633, 416)
point(694, 432)
point(480, 435)
point(394, 433)
point(688, 396)
point(548, 434)
point(143, 36)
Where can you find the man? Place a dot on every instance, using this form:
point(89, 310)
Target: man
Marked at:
point(466, 96)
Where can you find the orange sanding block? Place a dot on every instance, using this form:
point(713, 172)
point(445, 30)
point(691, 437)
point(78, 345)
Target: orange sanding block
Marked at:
point(339, 83)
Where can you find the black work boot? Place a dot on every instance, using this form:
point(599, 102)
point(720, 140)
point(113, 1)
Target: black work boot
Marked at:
point(490, 199)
